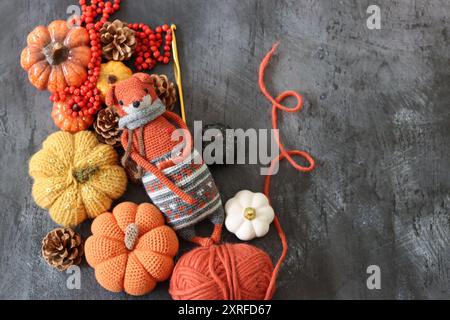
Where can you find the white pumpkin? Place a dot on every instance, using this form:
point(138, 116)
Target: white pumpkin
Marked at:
point(248, 215)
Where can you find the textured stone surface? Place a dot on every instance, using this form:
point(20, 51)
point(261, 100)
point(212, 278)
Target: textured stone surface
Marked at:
point(376, 119)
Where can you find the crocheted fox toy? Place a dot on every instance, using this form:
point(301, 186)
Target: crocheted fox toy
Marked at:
point(173, 173)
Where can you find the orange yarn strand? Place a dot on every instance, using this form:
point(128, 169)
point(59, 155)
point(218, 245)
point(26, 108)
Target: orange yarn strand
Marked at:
point(238, 271)
point(284, 154)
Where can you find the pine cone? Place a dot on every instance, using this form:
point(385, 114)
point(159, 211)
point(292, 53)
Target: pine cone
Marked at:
point(165, 90)
point(107, 127)
point(118, 41)
point(62, 248)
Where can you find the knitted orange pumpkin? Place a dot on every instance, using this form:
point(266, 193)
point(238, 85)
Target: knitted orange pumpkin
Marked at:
point(131, 249)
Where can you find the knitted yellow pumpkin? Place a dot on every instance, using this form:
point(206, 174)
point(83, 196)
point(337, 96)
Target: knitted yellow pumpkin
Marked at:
point(76, 177)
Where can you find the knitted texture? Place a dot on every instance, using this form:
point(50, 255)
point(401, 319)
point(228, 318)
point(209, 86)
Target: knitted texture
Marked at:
point(142, 116)
point(193, 178)
point(149, 260)
point(157, 136)
point(225, 272)
point(182, 189)
point(76, 177)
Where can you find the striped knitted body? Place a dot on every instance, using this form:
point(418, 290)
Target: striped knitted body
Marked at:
point(193, 177)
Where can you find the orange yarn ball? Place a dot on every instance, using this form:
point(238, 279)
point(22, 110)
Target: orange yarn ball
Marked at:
point(222, 272)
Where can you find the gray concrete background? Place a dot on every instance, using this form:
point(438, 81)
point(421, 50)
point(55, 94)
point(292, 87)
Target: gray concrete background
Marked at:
point(376, 120)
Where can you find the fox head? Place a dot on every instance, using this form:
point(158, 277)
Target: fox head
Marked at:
point(131, 95)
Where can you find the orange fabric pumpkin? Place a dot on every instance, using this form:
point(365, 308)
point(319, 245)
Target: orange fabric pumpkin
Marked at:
point(131, 249)
point(64, 120)
point(56, 56)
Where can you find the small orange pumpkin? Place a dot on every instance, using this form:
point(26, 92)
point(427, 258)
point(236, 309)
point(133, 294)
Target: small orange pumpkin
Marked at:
point(56, 56)
point(131, 249)
point(64, 120)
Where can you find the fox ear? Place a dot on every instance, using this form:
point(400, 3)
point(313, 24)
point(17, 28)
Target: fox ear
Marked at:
point(110, 98)
point(143, 77)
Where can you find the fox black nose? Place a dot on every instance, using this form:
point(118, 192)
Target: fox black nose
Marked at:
point(136, 104)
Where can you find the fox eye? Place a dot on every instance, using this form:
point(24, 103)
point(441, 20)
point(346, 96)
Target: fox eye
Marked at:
point(146, 90)
point(121, 102)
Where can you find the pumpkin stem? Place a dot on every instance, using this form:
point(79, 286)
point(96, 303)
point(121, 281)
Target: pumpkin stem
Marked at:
point(83, 175)
point(131, 235)
point(56, 53)
point(112, 79)
point(250, 213)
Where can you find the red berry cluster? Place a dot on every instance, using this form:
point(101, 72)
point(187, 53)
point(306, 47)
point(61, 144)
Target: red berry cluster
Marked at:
point(86, 99)
point(149, 43)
